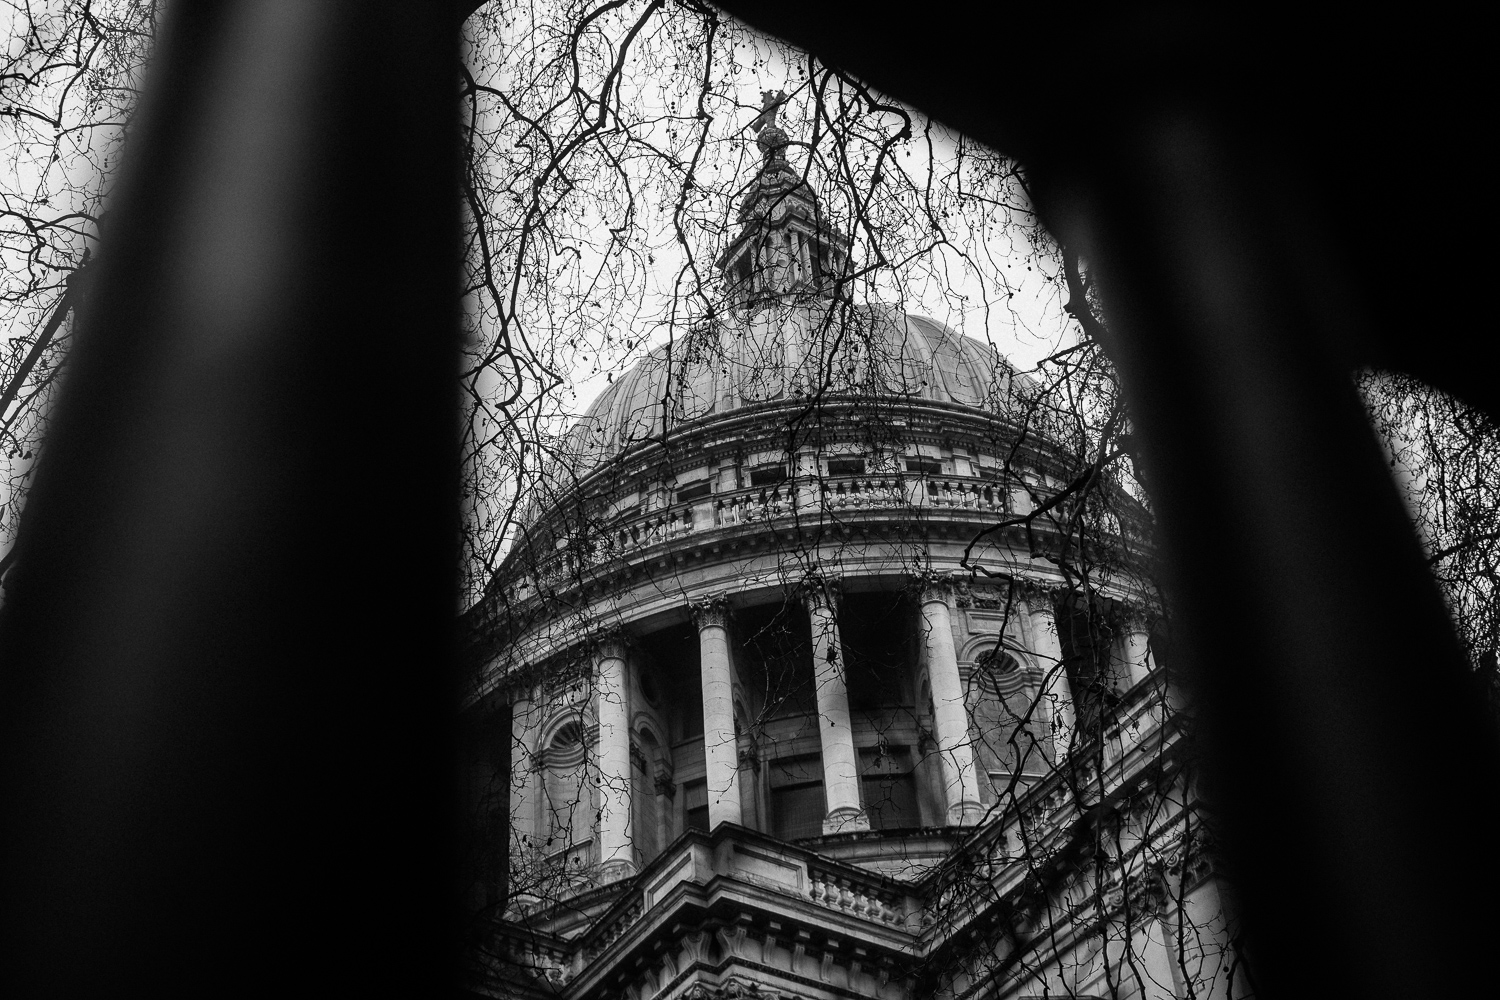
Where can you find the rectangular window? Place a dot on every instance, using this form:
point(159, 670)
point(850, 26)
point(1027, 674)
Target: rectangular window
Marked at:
point(695, 803)
point(694, 490)
point(797, 805)
point(768, 475)
point(924, 466)
point(890, 787)
point(846, 466)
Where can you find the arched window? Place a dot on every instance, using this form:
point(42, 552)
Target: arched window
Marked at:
point(568, 793)
point(646, 766)
point(1010, 734)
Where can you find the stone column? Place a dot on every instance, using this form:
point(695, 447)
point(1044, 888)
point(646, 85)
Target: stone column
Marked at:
point(616, 850)
point(1048, 652)
point(1136, 649)
point(840, 766)
point(950, 714)
point(526, 775)
point(720, 748)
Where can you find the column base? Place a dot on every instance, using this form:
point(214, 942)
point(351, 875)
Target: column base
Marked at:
point(615, 871)
point(965, 814)
point(845, 820)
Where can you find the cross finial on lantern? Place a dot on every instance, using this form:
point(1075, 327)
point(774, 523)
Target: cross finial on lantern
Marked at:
point(771, 137)
point(770, 105)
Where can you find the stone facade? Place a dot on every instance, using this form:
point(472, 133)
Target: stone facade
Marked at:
point(773, 736)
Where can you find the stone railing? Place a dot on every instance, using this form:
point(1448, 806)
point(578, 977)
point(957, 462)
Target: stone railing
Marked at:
point(865, 897)
point(629, 534)
point(647, 530)
point(612, 542)
point(864, 492)
point(968, 494)
point(754, 506)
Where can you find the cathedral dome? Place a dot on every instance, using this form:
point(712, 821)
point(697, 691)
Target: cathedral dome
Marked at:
point(793, 353)
point(785, 332)
point(786, 644)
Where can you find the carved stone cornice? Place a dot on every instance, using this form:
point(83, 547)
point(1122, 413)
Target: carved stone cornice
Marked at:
point(986, 595)
point(1142, 894)
point(1192, 859)
point(710, 613)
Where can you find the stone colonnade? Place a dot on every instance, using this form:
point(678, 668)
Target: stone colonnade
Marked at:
point(841, 780)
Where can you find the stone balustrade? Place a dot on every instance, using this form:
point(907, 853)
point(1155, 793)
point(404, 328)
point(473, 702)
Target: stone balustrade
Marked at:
point(754, 506)
point(968, 494)
point(650, 529)
point(764, 505)
point(858, 895)
point(864, 492)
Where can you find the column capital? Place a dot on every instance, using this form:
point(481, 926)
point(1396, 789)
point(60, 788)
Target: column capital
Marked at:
point(1037, 595)
point(613, 642)
point(711, 612)
point(934, 588)
point(1135, 618)
point(820, 592)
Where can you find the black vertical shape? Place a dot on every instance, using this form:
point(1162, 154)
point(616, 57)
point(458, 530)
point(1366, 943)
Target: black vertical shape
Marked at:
point(225, 685)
